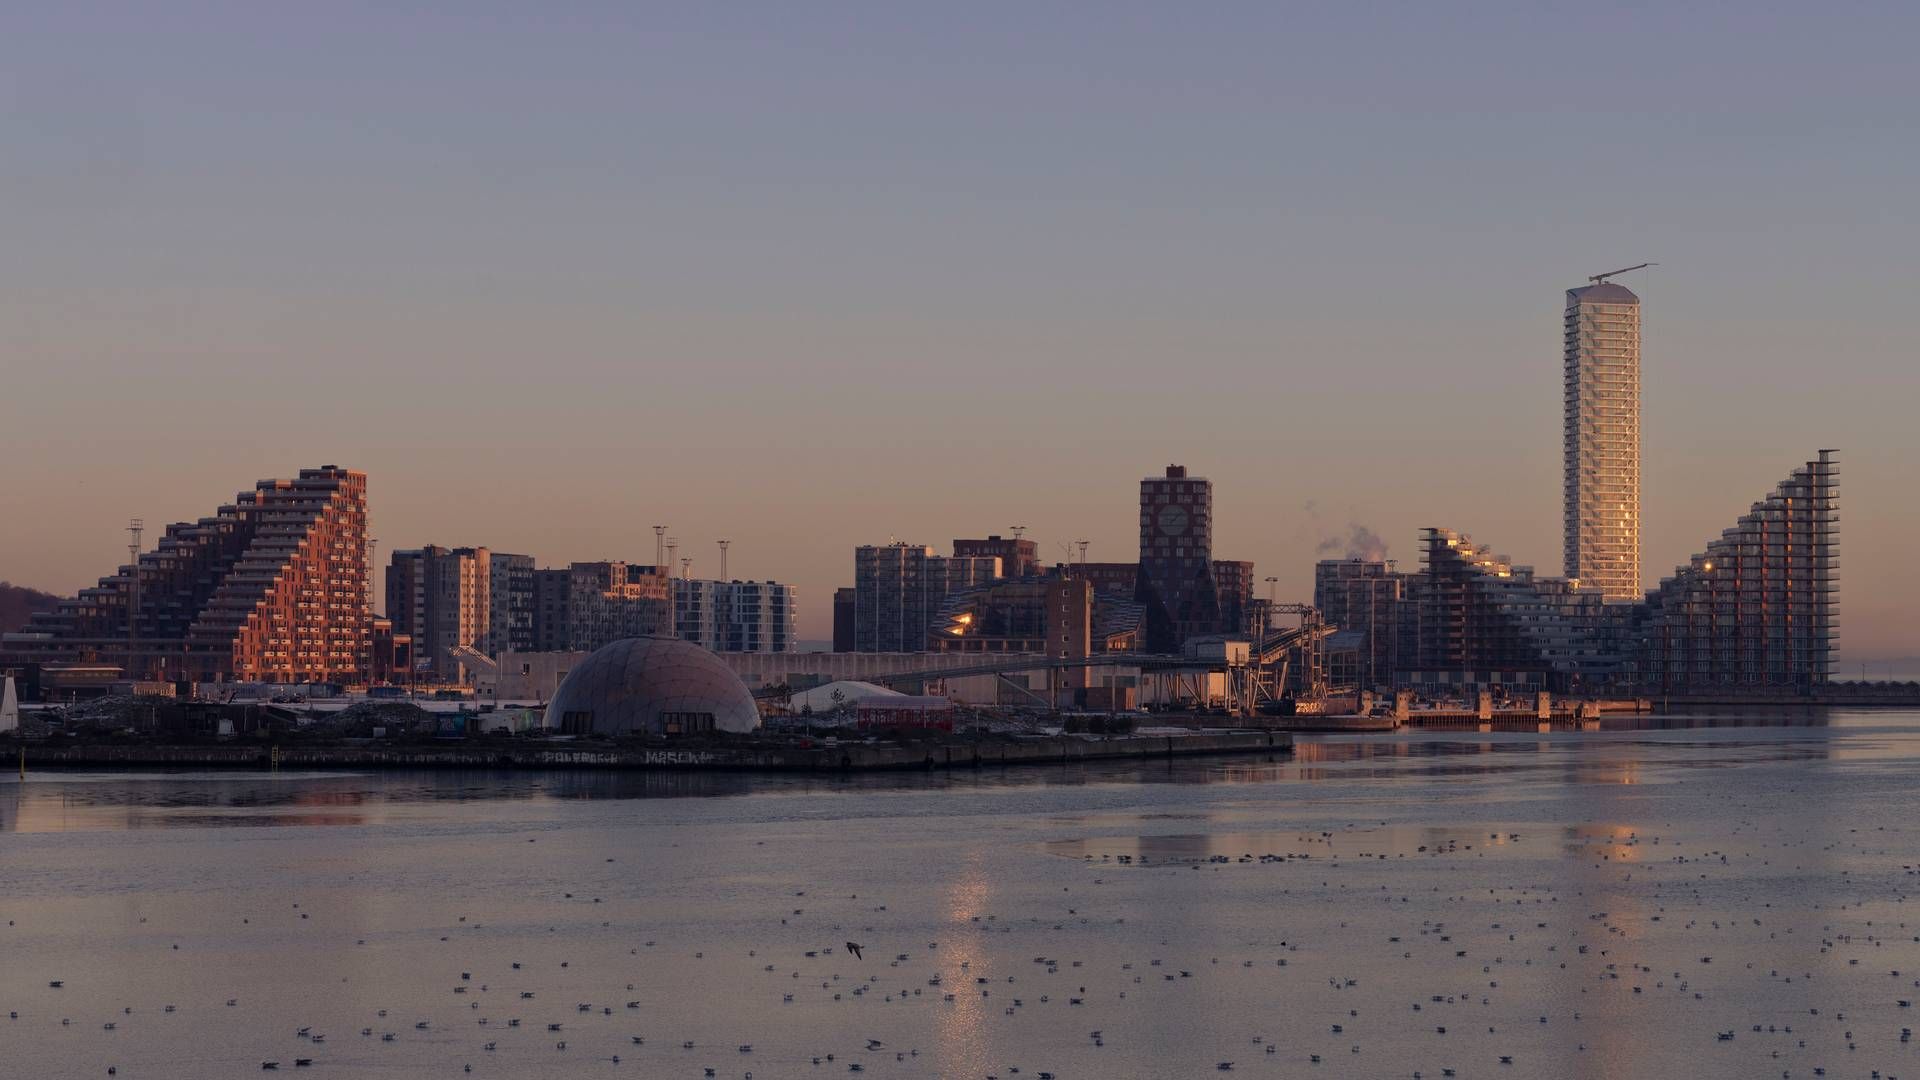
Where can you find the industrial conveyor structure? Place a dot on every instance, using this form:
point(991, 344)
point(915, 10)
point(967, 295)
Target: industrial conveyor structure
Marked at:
point(1283, 671)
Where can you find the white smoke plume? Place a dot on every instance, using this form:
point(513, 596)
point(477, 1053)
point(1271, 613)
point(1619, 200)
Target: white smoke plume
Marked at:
point(1360, 542)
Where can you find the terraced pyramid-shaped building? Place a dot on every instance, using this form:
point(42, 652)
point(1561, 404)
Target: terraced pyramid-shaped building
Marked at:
point(1757, 608)
point(1753, 615)
point(271, 588)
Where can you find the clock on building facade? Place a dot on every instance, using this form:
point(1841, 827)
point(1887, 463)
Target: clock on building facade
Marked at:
point(1173, 520)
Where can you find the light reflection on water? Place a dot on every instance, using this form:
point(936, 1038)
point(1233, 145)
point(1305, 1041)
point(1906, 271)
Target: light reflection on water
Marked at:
point(1642, 888)
point(969, 896)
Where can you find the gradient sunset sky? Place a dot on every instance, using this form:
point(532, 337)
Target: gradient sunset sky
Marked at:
point(809, 276)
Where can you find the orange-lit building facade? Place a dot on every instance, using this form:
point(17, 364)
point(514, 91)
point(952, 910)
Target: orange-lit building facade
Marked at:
point(271, 588)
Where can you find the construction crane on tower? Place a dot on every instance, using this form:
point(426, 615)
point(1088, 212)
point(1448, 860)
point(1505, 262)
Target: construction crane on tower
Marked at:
point(1601, 279)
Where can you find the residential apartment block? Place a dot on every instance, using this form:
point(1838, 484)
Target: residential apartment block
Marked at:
point(511, 603)
point(1751, 613)
point(736, 616)
point(271, 588)
point(1018, 558)
point(898, 589)
point(443, 599)
point(1757, 607)
point(1601, 441)
point(1176, 558)
point(1367, 598)
point(608, 601)
point(550, 629)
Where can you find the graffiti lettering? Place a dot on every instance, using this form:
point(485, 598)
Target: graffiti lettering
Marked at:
point(679, 757)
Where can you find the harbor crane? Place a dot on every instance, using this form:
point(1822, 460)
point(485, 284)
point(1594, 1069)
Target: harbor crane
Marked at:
point(1601, 279)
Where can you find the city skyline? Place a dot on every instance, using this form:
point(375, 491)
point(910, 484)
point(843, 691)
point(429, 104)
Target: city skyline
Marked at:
point(1361, 546)
point(921, 277)
point(812, 520)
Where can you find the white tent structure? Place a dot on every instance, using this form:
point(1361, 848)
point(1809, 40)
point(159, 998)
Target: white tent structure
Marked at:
point(822, 699)
point(9, 707)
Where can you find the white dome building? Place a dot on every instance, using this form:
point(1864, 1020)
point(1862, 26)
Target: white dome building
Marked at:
point(652, 686)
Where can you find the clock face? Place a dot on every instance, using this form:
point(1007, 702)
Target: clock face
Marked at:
point(1172, 520)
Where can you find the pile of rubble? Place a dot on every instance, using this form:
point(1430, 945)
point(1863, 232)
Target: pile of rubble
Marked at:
point(114, 712)
point(361, 718)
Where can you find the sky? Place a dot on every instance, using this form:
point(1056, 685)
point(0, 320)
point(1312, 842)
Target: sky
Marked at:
point(807, 276)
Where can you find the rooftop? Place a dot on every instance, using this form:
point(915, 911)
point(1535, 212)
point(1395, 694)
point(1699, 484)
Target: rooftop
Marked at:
point(1604, 293)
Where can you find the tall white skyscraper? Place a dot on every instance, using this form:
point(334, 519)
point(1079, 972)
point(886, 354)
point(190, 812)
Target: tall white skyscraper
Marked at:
point(1602, 441)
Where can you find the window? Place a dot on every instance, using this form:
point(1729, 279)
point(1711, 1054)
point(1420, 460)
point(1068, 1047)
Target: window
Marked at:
point(686, 723)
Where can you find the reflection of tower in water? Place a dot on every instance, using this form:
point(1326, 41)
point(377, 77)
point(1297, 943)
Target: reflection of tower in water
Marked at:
point(962, 1026)
point(1600, 857)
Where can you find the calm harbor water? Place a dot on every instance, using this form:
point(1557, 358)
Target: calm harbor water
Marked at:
point(1711, 897)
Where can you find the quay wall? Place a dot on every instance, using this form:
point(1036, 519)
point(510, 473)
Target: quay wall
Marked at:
point(855, 757)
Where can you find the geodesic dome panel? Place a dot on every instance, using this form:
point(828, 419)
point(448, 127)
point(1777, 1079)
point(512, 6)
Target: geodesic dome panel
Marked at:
point(652, 686)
